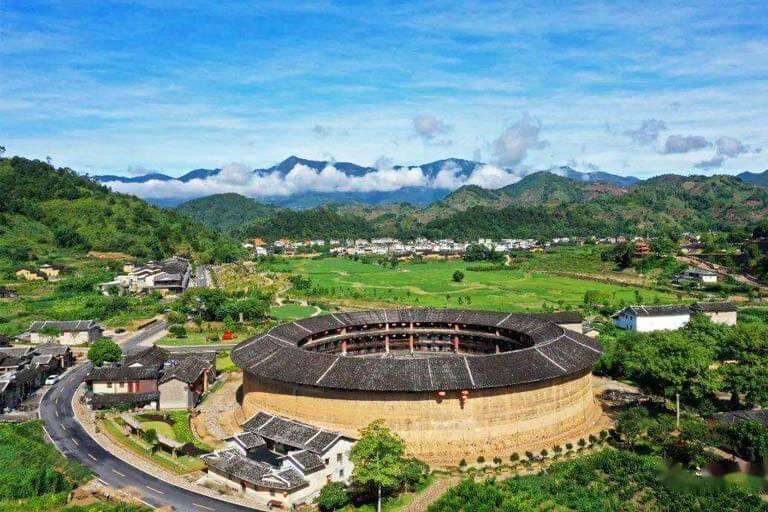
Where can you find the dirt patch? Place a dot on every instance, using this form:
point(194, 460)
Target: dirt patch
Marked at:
point(220, 416)
point(110, 255)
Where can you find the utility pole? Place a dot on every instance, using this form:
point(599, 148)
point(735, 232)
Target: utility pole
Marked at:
point(677, 396)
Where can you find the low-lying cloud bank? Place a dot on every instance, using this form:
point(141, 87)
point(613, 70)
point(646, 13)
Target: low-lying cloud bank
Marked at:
point(302, 179)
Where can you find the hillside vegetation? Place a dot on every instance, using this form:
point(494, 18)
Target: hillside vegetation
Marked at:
point(540, 205)
point(44, 209)
point(226, 211)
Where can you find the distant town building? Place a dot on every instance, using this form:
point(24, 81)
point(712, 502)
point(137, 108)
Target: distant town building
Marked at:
point(699, 275)
point(280, 462)
point(7, 293)
point(75, 332)
point(724, 313)
point(652, 318)
point(170, 276)
point(642, 248)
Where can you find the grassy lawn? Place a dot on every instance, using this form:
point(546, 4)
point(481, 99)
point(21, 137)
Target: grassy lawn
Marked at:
point(430, 284)
point(161, 427)
point(224, 363)
point(288, 312)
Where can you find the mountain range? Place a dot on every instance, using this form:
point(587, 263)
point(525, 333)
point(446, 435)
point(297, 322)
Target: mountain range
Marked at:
point(542, 204)
point(418, 195)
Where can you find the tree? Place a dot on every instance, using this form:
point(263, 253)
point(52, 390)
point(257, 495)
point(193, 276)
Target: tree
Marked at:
point(458, 276)
point(177, 330)
point(103, 351)
point(149, 436)
point(2, 150)
point(378, 459)
point(748, 438)
point(630, 425)
point(332, 497)
point(479, 252)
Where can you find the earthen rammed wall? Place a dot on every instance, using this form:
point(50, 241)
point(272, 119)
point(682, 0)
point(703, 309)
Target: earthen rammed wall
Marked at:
point(442, 430)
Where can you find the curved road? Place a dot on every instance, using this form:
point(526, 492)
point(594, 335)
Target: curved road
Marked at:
point(74, 442)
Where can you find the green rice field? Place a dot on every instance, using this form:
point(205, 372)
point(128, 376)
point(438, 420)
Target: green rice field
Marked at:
point(344, 280)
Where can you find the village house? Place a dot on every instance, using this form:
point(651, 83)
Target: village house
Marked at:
point(75, 332)
point(724, 313)
point(280, 462)
point(7, 293)
point(153, 378)
point(24, 369)
point(652, 318)
point(51, 271)
point(699, 275)
point(170, 276)
point(30, 274)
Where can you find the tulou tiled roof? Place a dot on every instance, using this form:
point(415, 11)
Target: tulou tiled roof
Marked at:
point(551, 352)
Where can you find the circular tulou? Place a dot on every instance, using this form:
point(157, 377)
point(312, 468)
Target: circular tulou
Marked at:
point(452, 383)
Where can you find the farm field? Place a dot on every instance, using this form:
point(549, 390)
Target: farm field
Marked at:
point(348, 282)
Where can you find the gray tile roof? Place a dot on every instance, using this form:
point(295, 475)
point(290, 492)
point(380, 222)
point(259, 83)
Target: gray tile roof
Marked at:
point(713, 307)
point(234, 465)
point(63, 326)
point(307, 461)
point(291, 433)
point(101, 400)
point(667, 310)
point(123, 373)
point(188, 370)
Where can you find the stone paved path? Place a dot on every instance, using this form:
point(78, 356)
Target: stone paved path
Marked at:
point(430, 494)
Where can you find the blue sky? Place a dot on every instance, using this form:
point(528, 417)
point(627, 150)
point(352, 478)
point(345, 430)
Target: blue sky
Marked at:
point(123, 87)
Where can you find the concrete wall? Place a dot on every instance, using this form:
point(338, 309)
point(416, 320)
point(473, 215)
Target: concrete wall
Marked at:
point(144, 386)
point(439, 430)
point(651, 323)
point(175, 394)
point(723, 317)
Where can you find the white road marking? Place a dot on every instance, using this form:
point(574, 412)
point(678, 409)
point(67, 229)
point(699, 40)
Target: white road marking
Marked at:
point(152, 489)
point(94, 458)
point(57, 414)
point(118, 473)
point(75, 441)
point(202, 506)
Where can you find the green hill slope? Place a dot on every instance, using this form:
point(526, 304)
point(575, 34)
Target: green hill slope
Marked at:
point(43, 210)
point(224, 212)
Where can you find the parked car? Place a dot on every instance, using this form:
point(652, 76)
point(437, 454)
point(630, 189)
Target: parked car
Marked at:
point(51, 380)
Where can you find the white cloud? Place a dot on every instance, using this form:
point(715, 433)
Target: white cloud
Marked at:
point(648, 132)
point(684, 144)
point(730, 147)
point(513, 144)
point(491, 177)
point(428, 127)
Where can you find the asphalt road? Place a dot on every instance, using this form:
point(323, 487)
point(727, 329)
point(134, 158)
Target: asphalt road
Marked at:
point(74, 442)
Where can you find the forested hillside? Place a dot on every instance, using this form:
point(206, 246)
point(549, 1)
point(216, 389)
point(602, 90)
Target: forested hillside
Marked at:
point(539, 206)
point(44, 209)
point(226, 211)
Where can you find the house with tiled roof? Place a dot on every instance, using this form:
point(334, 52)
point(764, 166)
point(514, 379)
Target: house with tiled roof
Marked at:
point(653, 318)
point(724, 313)
point(281, 462)
point(154, 378)
point(74, 332)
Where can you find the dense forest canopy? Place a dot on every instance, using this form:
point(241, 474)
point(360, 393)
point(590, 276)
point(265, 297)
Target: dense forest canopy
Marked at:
point(43, 208)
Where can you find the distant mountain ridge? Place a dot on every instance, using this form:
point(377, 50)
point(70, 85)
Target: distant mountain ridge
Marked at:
point(422, 196)
point(756, 178)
